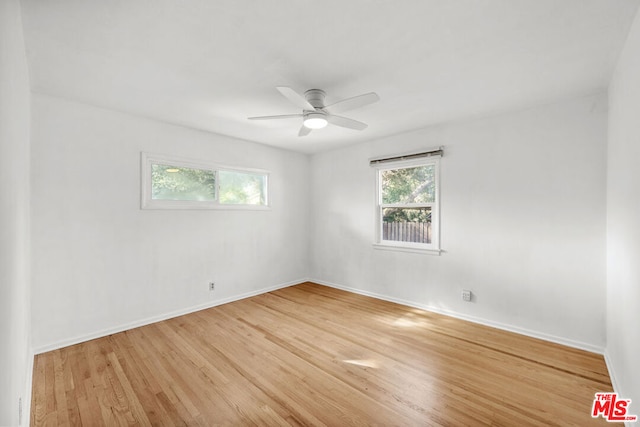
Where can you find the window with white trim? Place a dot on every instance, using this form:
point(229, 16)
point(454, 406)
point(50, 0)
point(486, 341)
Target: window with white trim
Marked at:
point(408, 202)
point(173, 183)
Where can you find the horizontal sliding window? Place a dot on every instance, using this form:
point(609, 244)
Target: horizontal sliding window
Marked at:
point(173, 183)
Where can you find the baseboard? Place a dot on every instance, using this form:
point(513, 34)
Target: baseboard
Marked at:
point(615, 384)
point(486, 322)
point(142, 322)
point(612, 373)
point(28, 390)
point(473, 319)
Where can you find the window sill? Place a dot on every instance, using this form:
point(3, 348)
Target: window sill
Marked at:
point(410, 249)
point(194, 205)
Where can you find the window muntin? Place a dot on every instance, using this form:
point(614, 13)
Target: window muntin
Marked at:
point(173, 183)
point(407, 210)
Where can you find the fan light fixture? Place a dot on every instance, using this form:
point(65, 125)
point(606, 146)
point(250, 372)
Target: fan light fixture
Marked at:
point(315, 121)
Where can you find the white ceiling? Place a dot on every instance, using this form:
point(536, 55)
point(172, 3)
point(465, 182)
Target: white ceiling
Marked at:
point(210, 64)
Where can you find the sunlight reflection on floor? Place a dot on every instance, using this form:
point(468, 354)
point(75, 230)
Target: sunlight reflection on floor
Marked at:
point(367, 363)
point(411, 320)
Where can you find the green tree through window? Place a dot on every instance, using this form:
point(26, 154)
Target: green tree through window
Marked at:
point(182, 183)
point(408, 204)
point(242, 188)
point(408, 186)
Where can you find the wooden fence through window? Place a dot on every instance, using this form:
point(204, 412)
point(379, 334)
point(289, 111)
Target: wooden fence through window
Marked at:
point(417, 232)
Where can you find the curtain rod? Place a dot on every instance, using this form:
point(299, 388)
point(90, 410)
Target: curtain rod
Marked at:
point(432, 153)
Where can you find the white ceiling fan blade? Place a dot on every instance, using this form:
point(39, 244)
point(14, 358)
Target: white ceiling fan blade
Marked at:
point(295, 97)
point(304, 131)
point(351, 103)
point(282, 116)
point(346, 122)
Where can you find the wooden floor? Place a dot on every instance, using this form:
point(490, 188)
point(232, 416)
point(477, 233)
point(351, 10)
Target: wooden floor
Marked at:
point(313, 355)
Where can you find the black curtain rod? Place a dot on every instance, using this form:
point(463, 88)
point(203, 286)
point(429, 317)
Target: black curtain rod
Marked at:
point(438, 152)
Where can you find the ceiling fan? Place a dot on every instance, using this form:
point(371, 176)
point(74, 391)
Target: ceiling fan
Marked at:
point(316, 115)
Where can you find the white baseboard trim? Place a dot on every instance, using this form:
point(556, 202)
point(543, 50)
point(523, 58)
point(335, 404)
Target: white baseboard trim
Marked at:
point(612, 373)
point(615, 384)
point(28, 390)
point(486, 322)
point(153, 319)
point(131, 325)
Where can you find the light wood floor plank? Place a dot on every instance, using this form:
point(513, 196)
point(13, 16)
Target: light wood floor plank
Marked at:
point(314, 355)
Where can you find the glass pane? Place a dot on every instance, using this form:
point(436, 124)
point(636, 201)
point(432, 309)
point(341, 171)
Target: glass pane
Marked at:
point(238, 188)
point(406, 224)
point(409, 185)
point(181, 183)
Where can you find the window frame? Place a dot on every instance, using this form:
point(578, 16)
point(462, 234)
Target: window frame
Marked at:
point(434, 246)
point(146, 202)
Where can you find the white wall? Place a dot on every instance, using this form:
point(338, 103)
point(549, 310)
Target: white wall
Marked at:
point(523, 222)
point(15, 346)
point(100, 263)
point(623, 226)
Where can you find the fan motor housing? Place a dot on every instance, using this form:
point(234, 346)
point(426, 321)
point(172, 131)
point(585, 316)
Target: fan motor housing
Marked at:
point(315, 97)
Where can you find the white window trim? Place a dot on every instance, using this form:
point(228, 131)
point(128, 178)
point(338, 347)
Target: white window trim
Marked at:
point(423, 248)
point(146, 202)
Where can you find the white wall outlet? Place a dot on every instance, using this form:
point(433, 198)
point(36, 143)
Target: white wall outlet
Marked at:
point(466, 295)
point(212, 286)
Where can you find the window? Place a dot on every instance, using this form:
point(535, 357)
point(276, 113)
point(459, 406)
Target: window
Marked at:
point(407, 203)
point(171, 183)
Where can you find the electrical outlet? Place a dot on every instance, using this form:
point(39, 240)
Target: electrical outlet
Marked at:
point(212, 286)
point(466, 295)
point(20, 411)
